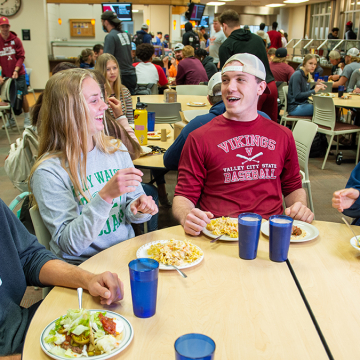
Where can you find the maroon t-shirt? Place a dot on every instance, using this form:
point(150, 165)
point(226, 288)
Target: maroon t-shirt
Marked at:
point(190, 72)
point(275, 38)
point(281, 71)
point(235, 167)
point(12, 54)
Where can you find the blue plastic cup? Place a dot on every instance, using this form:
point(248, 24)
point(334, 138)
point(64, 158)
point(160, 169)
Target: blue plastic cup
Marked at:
point(194, 346)
point(249, 232)
point(316, 76)
point(151, 121)
point(341, 90)
point(280, 235)
point(144, 281)
point(326, 78)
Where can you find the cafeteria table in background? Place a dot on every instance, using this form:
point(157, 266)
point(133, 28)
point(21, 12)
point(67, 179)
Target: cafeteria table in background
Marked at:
point(251, 309)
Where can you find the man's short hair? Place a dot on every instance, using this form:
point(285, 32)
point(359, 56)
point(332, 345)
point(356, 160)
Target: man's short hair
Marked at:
point(230, 17)
point(262, 26)
point(274, 25)
point(97, 48)
point(271, 51)
point(188, 51)
point(145, 51)
point(216, 19)
point(335, 29)
point(159, 33)
point(202, 28)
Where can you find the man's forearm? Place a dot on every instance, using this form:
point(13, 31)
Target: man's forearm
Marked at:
point(298, 195)
point(181, 208)
point(60, 273)
point(11, 357)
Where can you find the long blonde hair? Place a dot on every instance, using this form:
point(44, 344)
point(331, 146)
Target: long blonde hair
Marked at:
point(101, 65)
point(306, 59)
point(63, 130)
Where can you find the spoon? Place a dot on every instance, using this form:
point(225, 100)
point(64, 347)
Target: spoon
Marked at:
point(357, 240)
point(178, 270)
point(80, 292)
point(212, 241)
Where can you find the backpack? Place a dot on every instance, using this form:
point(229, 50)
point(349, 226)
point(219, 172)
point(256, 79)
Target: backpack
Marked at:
point(194, 41)
point(319, 146)
point(138, 39)
point(21, 158)
point(143, 89)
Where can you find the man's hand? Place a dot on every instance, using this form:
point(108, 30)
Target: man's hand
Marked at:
point(116, 106)
point(124, 181)
point(108, 286)
point(145, 205)
point(334, 77)
point(15, 75)
point(165, 61)
point(218, 65)
point(343, 199)
point(196, 220)
point(298, 211)
point(357, 90)
point(173, 61)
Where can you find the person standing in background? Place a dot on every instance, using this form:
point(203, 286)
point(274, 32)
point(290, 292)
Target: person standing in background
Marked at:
point(215, 42)
point(334, 33)
point(283, 39)
point(142, 36)
point(190, 37)
point(264, 35)
point(98, 49)
point(12, 56)
point(349, 34)
point(118, 44)
point(275, 36)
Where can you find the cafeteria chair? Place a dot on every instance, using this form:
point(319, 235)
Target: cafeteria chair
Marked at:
point(42, 234)
point(191, 114)
point(18, 200)
point(325, 117)
point(201, 90)
point(281, 94)
point(165, 113)
point(30, 89)
point(8, 98)
point(289, 118)
point(304, 133)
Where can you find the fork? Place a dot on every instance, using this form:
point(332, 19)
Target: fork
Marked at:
point(212, 241)
point(357, 240)
point(178, 270)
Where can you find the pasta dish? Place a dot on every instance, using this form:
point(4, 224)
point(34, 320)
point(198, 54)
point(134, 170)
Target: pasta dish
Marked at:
point(223, 226)
point(174, 252)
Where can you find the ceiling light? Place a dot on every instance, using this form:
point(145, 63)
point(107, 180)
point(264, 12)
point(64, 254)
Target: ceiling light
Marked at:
point(295, 1)
point(274, 5)
point(214, 3)
point(134, 10)
point(228, 0)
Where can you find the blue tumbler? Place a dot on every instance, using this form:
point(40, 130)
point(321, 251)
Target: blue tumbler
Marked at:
point(280, 235)
point(151, 121)
point(316, 76)
point(194, 346)
point(144, 281)
point(249, 232)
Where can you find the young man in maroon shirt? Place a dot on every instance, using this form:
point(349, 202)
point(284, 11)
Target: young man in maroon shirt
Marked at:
point(239, 162)
point(12, 56)
point(275, 36)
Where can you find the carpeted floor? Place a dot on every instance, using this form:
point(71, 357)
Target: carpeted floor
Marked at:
point(323, 184)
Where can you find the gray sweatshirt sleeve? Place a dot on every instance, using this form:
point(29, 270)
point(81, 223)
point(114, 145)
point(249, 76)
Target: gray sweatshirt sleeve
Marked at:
point(109, 44)
point(354, 80)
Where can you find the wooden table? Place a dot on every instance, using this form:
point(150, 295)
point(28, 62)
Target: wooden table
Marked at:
point(328, 270)
point(354, 102)
point(183, 99)
point(252, 309)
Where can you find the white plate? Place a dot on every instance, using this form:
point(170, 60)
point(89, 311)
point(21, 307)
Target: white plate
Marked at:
point(142, 253)
point(125, 341)
point(353, 243)
point(311, 231)
point(145, 150)
point(209, 233)
point(196, 104)
point(157, 136)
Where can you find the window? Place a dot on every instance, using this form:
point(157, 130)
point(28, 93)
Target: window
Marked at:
point(320, 19)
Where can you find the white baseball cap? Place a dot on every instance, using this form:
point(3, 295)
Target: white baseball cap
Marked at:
point(214, 80)
point(353, 52)
point(178, 46)
point(251, 64)
point(145, 26)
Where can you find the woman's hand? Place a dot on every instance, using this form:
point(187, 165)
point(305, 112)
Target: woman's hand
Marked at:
point(145, 205)
point(343, 199)
point(124, 181)
point(319, 86)
point(116, 106)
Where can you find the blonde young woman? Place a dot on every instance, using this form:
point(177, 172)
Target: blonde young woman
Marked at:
point(109, 67)
point(299, 88)
point(84, 182)
point(86, 60)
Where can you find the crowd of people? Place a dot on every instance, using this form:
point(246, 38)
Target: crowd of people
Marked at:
point(86, 149)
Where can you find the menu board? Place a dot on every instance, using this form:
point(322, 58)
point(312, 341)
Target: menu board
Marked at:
point(81, 27)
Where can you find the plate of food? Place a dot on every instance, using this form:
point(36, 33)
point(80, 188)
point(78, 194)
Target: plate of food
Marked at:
point(224, 225)
point(145, 150)
point(182, 254)
point(195, 103)
point(302, 231)
point(156, 135)
point(99, 334)
point(353, 242)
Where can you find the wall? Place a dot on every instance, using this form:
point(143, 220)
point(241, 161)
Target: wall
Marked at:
point(283, 19)
point(36, 55)
point(296, 22)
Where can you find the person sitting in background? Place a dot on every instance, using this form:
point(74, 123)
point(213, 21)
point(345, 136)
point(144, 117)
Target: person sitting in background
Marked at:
point(264, 35)
point(275, 36)
point(27, 263)
point(109, 67)
point(354, 83)
point(146, 71)
point(173, 153)
point(271, 54)
point(133, 53)
point(283, 38)
point(281, 70)
point(352, 62)
point(86, 59)
point(337, 63)
point(318, 70)
point(172, 71)
point(207, 62)
point(98, 49)
point(299, 88)
point(190, 70)
point(84, 182)
point(334, 33)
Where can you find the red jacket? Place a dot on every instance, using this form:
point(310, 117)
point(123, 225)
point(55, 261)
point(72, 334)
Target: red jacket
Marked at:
point(275, 38)
point(12, 54)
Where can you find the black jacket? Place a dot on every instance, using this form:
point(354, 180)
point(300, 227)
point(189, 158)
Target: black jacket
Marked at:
point(243, 41)
point(190, 38)
point(209, 66)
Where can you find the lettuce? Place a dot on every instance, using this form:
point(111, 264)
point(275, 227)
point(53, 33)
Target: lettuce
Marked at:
point(79, 329)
